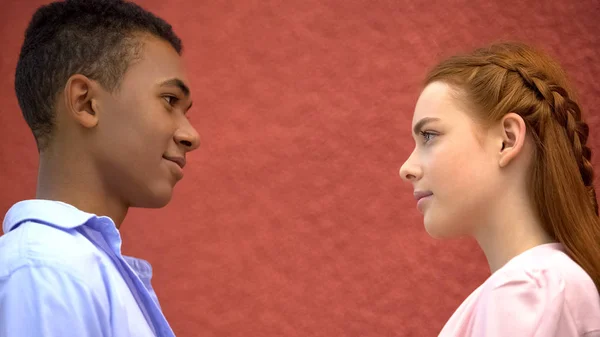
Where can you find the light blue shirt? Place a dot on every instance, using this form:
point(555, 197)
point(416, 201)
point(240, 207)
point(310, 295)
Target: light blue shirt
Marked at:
point(62, 274)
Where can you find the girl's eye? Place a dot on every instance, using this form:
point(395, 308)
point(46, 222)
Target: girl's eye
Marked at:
point(427, 135)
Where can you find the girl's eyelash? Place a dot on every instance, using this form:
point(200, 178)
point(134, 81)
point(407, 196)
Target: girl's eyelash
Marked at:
point(427, 135)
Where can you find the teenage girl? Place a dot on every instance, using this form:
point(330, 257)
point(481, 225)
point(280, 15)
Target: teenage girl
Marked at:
point(501, 156)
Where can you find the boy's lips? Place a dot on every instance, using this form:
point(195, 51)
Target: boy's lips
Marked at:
point(177, 160)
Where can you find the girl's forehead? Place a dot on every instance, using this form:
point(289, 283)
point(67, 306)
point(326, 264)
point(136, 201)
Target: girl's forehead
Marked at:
point(436, 103)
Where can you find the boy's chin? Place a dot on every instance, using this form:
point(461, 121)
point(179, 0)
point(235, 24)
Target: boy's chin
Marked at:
point(156, 199)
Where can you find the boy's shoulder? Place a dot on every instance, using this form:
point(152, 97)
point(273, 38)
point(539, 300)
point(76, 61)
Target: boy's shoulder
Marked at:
point(43, 234)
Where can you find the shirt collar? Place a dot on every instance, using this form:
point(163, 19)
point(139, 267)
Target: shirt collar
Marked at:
point(50, 212)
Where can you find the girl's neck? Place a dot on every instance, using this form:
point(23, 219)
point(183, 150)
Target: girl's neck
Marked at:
point(515, 228)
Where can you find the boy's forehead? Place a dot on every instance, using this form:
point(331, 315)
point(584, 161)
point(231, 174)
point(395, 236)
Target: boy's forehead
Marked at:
point(157, 62)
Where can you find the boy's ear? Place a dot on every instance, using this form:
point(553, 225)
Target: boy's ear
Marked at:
point(80, 100)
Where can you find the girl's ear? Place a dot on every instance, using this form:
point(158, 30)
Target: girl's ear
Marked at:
point(513, 130)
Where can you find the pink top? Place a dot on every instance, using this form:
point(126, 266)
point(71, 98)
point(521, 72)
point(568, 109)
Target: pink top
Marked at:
point(541, 292)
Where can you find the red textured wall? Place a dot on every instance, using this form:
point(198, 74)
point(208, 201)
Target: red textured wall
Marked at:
point(292, 219)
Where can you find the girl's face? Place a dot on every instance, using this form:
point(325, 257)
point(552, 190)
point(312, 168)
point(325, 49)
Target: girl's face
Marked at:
point(454, 166)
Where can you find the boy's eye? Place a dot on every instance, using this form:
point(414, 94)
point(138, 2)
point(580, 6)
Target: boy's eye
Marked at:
point(171, 99)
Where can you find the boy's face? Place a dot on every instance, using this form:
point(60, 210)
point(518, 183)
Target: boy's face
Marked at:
point(143, 134)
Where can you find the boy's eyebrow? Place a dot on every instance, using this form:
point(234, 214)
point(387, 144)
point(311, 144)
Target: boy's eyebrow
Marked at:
point(175, 82)
point(419, 125)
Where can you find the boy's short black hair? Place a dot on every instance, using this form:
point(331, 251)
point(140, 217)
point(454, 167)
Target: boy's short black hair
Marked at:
point(95, 38)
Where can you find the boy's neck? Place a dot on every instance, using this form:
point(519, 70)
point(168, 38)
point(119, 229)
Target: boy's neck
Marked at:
point(69, 180)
